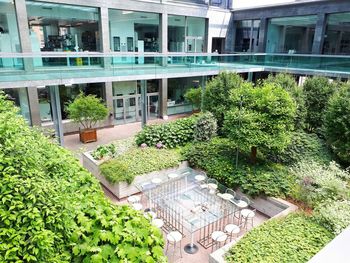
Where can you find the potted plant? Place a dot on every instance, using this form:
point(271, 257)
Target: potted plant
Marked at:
point(87, 111)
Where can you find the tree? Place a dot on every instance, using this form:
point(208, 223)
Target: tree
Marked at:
point(337, 123)
point(260, 117)
point(216, 97)
point(87, 110)
point(194, 96)
point(287, 82)
point(317, 90)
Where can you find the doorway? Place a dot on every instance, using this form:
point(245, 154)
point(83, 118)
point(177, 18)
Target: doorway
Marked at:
point(218, 45)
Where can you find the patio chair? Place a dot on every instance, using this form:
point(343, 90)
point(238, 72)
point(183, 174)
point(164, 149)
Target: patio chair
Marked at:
point(132, 199)
point(231, 193)
point(173, 238)
point(247, 217)
point(218, 237)
point(212, 185)
point(242, 203)
point(232, 229)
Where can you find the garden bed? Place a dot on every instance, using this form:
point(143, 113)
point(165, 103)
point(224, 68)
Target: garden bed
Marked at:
point(123, 189)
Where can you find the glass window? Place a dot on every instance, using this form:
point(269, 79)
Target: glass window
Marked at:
point(291, 34)
point(176, 33)
point(337, 37)
point(67, 94)
point(195, 34)
point(134, 31)
point(20, 98)
point(9, 40)
point(59, 27)
point(247, 36)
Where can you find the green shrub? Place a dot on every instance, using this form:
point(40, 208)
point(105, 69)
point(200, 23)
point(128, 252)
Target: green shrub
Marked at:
point(337, 124)
point(304, 146)
point(216, 97)
point(171, 134)
point(53, 210)
point(139, 161)
point(296, 238)
point(287, 82)
point(320, 183)
point(334, 215)
point(317, 91)
point(217, 158)
point(194, 96)
point(112, 150)
point(206, 127)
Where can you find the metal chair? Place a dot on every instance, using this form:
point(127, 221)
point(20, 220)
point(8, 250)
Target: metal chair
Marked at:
point(218, 237)
point(212, 185)
point(248, 216)
point(232, 229)
point(242, 203)
point(174, 237)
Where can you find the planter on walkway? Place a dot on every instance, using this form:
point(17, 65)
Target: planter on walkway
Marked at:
point(123, 189)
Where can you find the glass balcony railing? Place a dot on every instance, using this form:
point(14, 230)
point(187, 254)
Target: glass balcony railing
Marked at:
point(61, 66)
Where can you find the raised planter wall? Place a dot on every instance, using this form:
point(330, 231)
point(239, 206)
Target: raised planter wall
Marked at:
point(122, 189)
point(270, 206)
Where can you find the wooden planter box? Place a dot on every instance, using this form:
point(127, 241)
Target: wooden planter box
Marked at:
point(122, 189)
point(88, 135)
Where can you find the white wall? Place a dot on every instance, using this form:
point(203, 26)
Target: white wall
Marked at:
point(237, 4)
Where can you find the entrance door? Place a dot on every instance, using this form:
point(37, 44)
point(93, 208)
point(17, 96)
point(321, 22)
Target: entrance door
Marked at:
point(126, 109)
point(194, 44)
point(152, 106)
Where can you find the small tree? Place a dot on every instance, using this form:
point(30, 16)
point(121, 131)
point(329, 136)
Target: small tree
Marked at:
point(87, 110)
point(260, 117)
point(205, 128)
point(317, 90)
point(337, 123)
point(287, 82)
point(194, 96)
point(216, 97)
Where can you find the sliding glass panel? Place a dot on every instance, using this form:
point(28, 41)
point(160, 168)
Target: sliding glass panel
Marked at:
point(19, 96)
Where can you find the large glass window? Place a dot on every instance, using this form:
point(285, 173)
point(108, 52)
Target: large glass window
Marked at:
point(291, 34)
point(247, 36)
point(337, 37)
point(59, 27)
point(9, 40)
point(134, 31)
point(20, 98)
point(67, 94)
point(186, 34)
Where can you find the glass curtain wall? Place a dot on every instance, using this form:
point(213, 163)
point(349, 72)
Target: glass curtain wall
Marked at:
point(67, 94)
point(337, 37)
point(291, 34)
point(186, 34)
point(247, 36)
point(19, 96)
point(9, 40)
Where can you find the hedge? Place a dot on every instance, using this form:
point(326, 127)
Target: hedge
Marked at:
point(53, 210)
point(295, 238)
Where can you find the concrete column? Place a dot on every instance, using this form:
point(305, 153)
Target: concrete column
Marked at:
point(143, 102)
point(56, 113)
point(163, 36)
point(207, 41)
point(250, 76)
point(23, 31)
point(104, 37)
point(230, 36)
point(317, 46)
point(109, 101)
point(34, 107)
point(263, 35)
point(163, 98)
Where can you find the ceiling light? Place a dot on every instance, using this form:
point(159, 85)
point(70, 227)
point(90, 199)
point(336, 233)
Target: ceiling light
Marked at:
point(124, 12)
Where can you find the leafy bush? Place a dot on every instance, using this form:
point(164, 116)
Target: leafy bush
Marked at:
point(317, 91)
point(139, 161)
point(87, 110)
point(171, 134)
point(296, 238)
point(304, 146)
point(53, 210)
point(319, 183)
point(205, 127)
point(194, 96)
point(287, 82)
point(265, 119)
point(334, 215)
point(337, 125)
point(216, 97)
point(217, 158)
point(112, 150)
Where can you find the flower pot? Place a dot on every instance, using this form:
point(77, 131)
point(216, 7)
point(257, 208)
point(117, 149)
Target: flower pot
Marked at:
point(88, 135)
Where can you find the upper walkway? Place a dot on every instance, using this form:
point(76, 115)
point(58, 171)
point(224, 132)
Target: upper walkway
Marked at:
point(18, 70)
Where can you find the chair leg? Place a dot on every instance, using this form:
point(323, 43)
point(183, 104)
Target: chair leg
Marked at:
point(181, 248)
point(167, 246)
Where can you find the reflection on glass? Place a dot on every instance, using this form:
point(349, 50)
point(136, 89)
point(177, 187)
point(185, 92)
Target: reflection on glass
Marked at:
point(337, 37)
point(291, 34)
point(19, 96)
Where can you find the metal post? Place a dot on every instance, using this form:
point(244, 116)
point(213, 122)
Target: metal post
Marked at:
point(144, 102)
point(56, 113)
point(239, 126)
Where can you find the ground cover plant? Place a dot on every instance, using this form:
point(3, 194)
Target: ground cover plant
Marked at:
point(296, 238)
point(138, 161)
point(112, 150)
point(53, 210)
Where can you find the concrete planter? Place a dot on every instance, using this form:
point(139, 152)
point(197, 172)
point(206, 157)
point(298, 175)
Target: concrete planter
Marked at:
point(270, 206)
point(122, 189)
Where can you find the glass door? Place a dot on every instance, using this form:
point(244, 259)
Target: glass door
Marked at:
point(130, 109)
point(152, 106)
point(118, 105)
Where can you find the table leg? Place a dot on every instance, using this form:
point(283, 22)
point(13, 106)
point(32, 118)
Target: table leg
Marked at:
point(191, 248)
